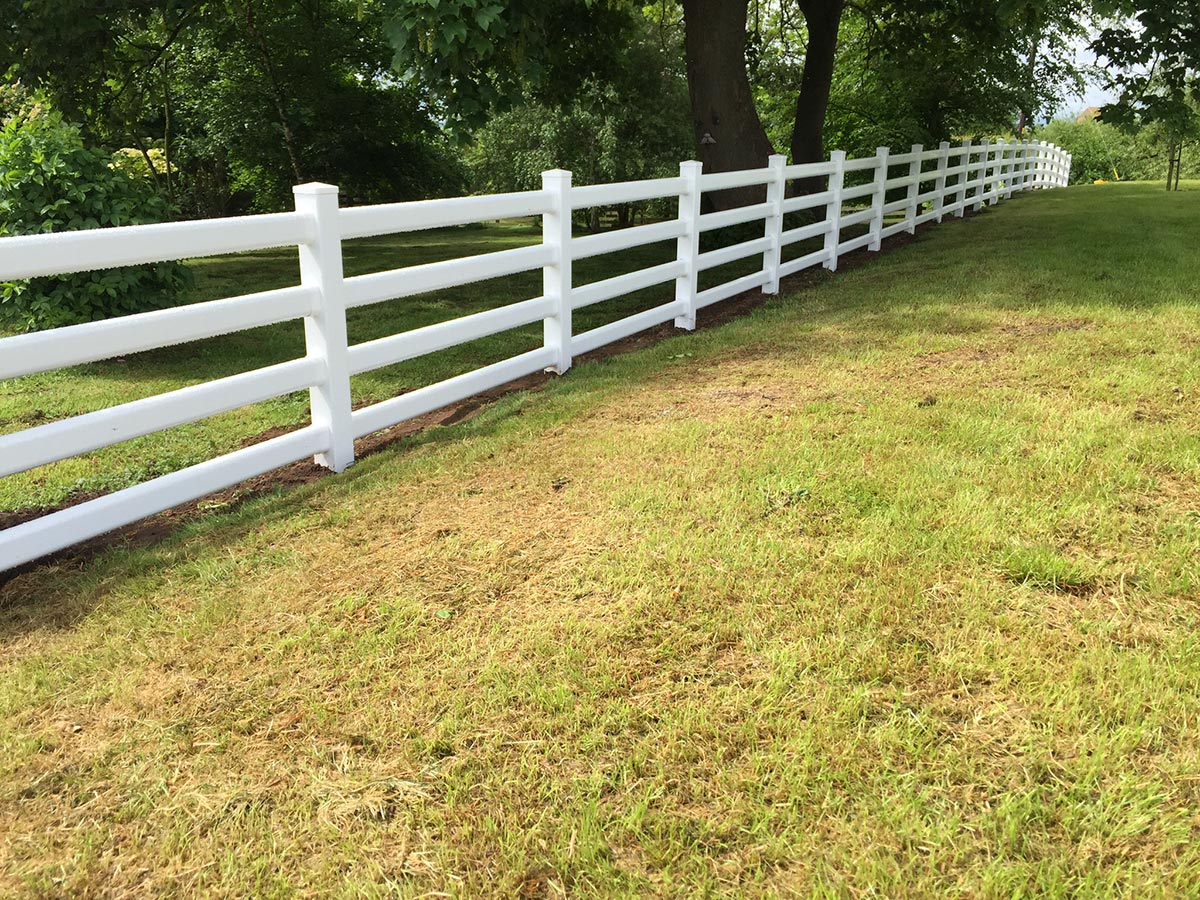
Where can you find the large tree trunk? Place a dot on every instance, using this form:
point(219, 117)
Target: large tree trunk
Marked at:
point(808, 133)
point(729, 134)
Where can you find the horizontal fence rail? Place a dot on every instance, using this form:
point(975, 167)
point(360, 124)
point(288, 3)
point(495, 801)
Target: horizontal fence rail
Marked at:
point(883, 195)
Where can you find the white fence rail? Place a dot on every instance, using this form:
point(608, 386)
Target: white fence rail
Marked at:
point(935, 183)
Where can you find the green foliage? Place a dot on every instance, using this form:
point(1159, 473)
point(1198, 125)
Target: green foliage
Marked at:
point(1097, 148)
point(1153, 51)
point(49, 181)
point(482, 56)
point(1099, 151)
point(635, 128)
point(923, 72)
point(241, 98)
point(295, 95)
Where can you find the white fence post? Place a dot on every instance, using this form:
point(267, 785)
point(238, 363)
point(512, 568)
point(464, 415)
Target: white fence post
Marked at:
point(1028, 162)
point(996, 171)
point(556, 275)
point(997, 174)
point(773, 229)
point(687, 246)
point(940, 184)
point(325, 330)
point(1006, 170)
point(960, 195)
point(1039, 180)
point(833, 211)
point(914, 171)
point(985, 174)
point(877, 197)
point(982, 175)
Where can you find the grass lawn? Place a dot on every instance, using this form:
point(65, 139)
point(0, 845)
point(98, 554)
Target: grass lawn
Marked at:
point(891, 588)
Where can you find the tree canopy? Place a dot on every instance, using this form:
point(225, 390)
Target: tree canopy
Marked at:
point(243, 97)
point(1153, 55)
point(224, 104)
point(766, 76)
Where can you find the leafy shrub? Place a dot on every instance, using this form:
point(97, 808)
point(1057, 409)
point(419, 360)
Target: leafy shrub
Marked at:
point(49, 181)
point(638, 127)
point(1098, 147)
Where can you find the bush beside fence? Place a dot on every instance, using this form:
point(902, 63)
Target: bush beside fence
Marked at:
point(934, 183)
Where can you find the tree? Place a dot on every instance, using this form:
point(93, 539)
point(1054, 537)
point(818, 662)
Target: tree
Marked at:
point(823, 20)
point(1153, 55)
point(486, 55)
point(243, 98)
point(635, 126)
point(1019, 45)
point(287, 92)
point(479, 57)
point(728, 132)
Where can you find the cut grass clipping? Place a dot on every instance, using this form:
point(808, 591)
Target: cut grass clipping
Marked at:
point(888, 589)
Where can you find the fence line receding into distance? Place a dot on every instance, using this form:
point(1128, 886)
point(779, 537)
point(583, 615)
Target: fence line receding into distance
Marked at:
point(930, 184)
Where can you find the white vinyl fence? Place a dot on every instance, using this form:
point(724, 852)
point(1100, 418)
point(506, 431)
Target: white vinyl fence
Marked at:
point(935, 183)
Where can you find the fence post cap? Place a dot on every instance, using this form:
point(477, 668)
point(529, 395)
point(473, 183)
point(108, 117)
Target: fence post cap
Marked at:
point(313, 188)
point(776, 159)
point(556, 173)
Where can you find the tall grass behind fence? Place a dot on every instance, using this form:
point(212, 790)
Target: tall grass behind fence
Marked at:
point(925, 185)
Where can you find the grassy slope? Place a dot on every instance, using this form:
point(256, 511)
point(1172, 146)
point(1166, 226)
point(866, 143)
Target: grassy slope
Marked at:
point(888, 589)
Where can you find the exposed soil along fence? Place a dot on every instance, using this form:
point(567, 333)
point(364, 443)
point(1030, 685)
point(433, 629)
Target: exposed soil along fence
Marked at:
point(886, 194)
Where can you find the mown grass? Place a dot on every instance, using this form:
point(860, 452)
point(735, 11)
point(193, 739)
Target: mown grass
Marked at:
point(888, 589)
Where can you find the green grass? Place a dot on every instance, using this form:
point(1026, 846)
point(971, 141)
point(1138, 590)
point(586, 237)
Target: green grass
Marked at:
point(888, 589)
